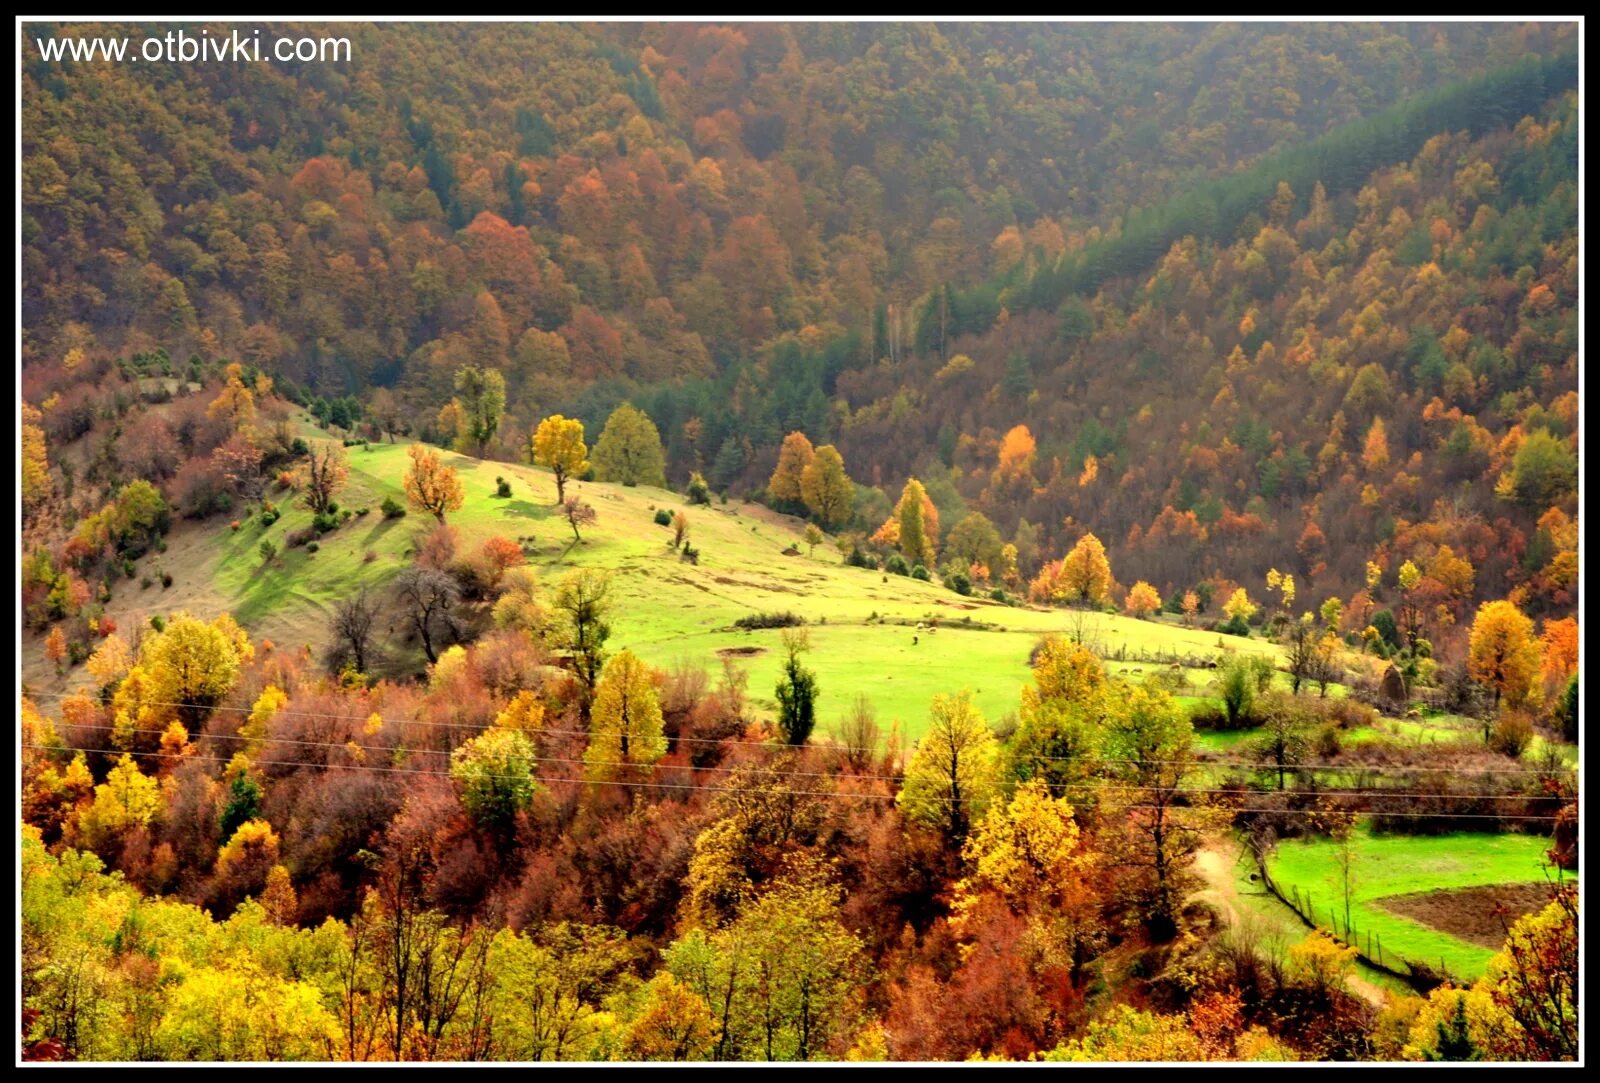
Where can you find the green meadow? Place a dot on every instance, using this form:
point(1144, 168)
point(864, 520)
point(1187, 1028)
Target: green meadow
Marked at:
point(1389, 865)
point(862, 624)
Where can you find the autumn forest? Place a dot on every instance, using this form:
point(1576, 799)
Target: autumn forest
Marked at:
point(801, 542)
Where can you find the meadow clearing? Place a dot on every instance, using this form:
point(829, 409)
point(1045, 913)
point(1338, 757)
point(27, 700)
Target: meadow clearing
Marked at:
point(863, 625)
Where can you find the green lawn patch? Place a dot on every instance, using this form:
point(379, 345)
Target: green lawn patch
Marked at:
point(1386, 866)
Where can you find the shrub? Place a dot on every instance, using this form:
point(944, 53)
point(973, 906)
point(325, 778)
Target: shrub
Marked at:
point(1325, 744)
point(1512, 733)
point(198, 489)
point(998, 594)
point(859, 559)
point(158, 622)
point(372, 554)
point(234, 526)
point(959, 582)
point(128, 569)
point(784, 619)
point(267, 550)
point(663, 517)
point(362, 512)
point(144, 582)
point(312, 547)
point(299, 537)
point(698, 492)
point(166, 580)
point(502, 487)
point(1208, 716)
point(392, 508)
point(324, 522)
point(1234, 626)
point(919, 572)
point(689, 553)
point(896, 565)
point(269, 516)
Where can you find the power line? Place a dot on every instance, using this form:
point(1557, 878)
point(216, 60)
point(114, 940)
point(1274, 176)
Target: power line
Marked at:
point(1090, 787)
point(821, 793)
point(1265, 765)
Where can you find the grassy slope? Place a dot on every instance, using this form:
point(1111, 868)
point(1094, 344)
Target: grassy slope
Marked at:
point(667, 610)
point(1400, 864)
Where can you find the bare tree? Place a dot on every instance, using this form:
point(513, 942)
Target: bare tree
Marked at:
point(1302, 640)
point(577, 514)
point(858, 735)
point(353, 621)
point(429, 597)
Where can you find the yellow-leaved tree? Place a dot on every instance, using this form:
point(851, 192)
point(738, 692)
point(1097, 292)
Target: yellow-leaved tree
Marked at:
point(625, 721)
point(558, 446)
point(1503, 653)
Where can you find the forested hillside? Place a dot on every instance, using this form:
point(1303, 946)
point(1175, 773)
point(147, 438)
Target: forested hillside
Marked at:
point(1199, 264)
point(787, 542)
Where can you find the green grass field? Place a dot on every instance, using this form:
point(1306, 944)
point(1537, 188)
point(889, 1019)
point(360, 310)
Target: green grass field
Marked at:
point(862, 623)
point(1387, 865)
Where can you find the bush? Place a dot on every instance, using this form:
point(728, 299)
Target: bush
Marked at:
point(663, 517)
point(1234, 626)
point(158, 622)
point(689, 553)
point(502, 487)
point(128, 569)
point(919, 572)
point(998, 594)
point(267, 550)
point(959, 582)
point(784, 619)
point(269, 516)
point(392, 508)
point(324, 522)
point(1325, 744)
point(1512, 733)
point(198, 489)
point(1208, 716)
point(897, 565)
point(144, 582)
point(299, 537)
point(858, 559)
point(166, 580)
point(312, 547)
point(361, 513)
point(698, 492)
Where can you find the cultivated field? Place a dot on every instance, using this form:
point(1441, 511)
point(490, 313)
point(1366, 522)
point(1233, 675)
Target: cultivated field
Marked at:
point(1422, 897)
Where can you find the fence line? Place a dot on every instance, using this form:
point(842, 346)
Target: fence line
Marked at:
point(1305, 909)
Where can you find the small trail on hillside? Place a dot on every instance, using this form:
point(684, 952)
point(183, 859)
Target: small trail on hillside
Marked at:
point(1215, 863)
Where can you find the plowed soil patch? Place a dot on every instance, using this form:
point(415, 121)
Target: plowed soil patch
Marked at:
point(1478, 915)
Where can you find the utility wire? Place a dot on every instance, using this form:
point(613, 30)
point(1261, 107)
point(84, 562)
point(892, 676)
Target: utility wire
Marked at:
point(1262, 765)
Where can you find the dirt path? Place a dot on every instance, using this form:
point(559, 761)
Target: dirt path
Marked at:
point(1215, 863)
